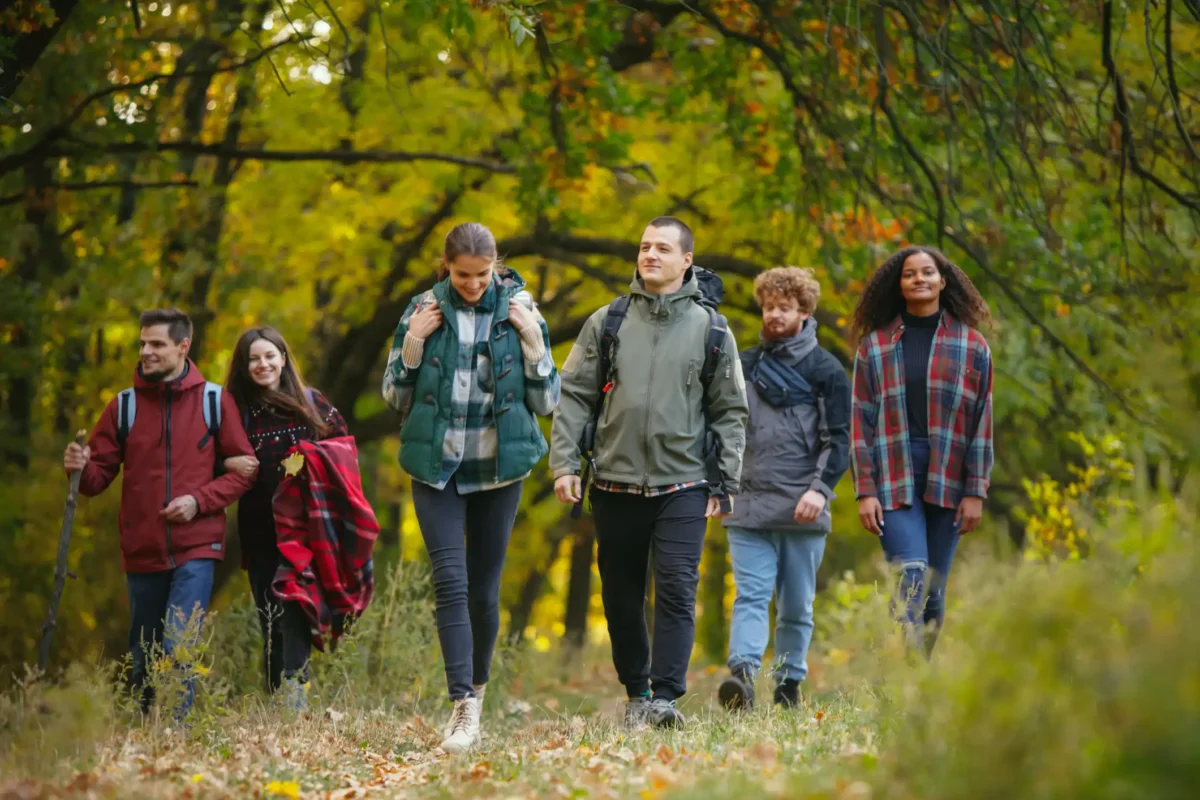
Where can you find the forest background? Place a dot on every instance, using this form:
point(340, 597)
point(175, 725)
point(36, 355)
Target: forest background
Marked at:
point(297, 163)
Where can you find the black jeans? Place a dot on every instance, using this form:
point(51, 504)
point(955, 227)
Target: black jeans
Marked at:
point(466, 573)
point(628, 528)
point(287, 634)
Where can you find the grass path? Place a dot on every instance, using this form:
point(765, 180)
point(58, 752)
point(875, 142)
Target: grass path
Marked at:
point(548, 739)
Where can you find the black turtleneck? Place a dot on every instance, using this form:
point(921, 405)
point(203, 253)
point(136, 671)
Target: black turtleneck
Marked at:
point(918, 344)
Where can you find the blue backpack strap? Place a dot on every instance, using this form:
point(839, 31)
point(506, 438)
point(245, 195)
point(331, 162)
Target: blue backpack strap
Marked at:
point(211, 406)
point(126, 413)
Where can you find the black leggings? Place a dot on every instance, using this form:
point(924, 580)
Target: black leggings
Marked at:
point(466, 536)
point(287, 634)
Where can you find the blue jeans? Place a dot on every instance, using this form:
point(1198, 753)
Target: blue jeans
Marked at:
point(466, 536)
point(920, 539)
point(161, 604)
point(784, 562)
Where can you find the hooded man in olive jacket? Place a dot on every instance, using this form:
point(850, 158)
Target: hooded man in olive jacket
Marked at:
point(651, 493)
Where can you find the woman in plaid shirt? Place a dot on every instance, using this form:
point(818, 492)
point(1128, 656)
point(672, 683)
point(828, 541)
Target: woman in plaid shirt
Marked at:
point(921, 424)
point(471, 370)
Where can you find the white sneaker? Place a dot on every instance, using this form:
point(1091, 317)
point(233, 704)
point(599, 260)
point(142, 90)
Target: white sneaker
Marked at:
point(480, 691)
point(464, 726)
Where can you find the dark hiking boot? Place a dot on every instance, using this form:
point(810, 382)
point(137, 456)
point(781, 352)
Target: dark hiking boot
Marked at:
point(787, 694)
point(663, 714)
point(737, 691)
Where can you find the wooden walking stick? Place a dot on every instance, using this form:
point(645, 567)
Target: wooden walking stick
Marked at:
point(60, 569)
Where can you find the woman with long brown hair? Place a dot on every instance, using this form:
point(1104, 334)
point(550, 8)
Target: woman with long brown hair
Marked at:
point(278, 410)
point(921, 424)
point(470, 370)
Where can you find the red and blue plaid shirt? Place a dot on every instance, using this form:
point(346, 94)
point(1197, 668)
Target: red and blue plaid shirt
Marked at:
point(960, 417)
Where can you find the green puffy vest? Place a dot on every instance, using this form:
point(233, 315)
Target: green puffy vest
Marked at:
point(520, 441)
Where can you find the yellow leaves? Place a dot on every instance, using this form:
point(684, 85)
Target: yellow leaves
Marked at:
point(1062, 309)
point(293, 464)
point(1057, 527)
point(1004, 60)
point(284, 789)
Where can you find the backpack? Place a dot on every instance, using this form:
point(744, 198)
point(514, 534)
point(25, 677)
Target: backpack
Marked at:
point(211, 405)
point(712, 292)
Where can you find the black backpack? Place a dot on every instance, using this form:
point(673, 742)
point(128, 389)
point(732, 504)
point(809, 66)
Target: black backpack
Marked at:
point(712, 292)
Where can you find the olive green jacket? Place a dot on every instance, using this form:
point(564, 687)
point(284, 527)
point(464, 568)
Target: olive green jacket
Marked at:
point(651, 429)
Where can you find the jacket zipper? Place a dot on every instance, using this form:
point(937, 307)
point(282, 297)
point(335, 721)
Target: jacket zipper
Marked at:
point(170, 553)
point(646, 425)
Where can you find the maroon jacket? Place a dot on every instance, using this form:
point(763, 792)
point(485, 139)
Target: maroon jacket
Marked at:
point(167, 455)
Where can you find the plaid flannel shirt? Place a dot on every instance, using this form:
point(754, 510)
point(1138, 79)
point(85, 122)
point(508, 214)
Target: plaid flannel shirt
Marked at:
point(960, 417)
point(326, 531)
point(645, 491)
point(470, 448)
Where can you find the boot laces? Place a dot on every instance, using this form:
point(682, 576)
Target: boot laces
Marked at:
point(461, 718)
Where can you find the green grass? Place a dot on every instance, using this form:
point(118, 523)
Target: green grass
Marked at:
point(1051, 681)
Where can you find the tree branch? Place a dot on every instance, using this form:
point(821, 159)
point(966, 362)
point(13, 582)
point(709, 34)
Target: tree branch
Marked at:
point(116, 184)
point(60, 130)
point(337, 156)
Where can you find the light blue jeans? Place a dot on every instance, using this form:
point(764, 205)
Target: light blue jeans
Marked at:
point(784, 563)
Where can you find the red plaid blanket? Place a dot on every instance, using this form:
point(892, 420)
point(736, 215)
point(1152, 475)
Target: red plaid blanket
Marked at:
point(326, 530)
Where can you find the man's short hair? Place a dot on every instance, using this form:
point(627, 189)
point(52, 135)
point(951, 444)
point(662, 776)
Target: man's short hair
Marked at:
point(686, 240)
point(789, 282)
point(179, 324)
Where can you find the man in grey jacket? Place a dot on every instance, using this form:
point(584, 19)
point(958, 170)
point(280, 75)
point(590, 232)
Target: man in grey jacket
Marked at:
point(797, 449)
point(650, 493)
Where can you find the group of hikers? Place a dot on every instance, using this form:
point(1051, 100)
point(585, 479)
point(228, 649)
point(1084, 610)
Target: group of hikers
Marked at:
point(658, 419)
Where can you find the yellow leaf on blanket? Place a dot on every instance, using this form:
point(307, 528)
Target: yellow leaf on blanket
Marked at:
point(293, 464)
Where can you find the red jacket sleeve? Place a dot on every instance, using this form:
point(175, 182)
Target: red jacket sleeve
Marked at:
point(224, 491)
point(105, 462)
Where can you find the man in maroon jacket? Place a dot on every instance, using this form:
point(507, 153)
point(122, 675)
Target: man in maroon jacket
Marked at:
point(172, 518)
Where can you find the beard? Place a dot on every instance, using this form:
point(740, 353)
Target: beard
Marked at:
point(775, 334)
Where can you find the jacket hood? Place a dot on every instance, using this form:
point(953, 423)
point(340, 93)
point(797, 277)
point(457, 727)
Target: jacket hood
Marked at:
point(794, 349)
point(190, 379)
point(664, 304)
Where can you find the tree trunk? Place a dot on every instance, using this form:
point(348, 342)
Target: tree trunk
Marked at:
point(579, 586)
point(712, 627)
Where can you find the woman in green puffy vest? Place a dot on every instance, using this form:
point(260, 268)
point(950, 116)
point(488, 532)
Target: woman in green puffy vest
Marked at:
point(470, 370)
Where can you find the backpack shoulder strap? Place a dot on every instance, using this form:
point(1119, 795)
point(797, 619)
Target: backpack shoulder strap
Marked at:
point(718, 329)
point(211, 408)
point(126, 413)
point(609, 338)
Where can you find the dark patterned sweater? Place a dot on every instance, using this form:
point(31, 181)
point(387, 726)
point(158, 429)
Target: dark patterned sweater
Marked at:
point(272, 434)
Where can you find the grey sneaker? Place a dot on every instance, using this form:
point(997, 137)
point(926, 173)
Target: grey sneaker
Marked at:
point(663, 714)
point(637, 712)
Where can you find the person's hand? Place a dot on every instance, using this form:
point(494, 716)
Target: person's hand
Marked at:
point(970, 512)
point(520, 316)
point(870, 514)
point(246, 466)
point(181, 509)
point(568, 489)
point(427, 320)
point(810, 506)
point(714, 507)
point(76, 457)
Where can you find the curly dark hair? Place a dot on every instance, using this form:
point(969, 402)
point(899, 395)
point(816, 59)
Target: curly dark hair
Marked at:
point(881, 301)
